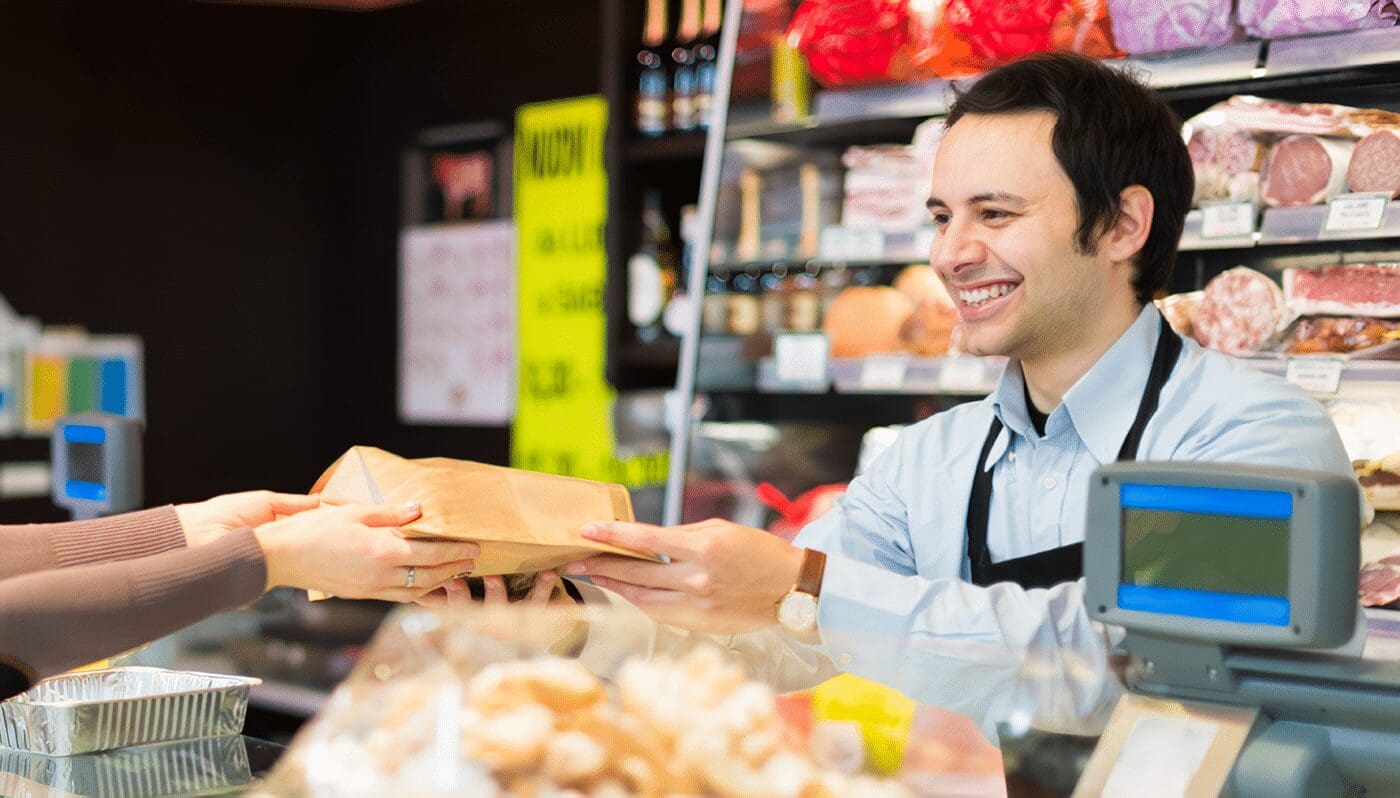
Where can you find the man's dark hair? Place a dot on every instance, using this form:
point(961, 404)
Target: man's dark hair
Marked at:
point(1111, 132)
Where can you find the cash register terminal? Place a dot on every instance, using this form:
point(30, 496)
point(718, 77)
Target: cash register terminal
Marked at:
point(1235, 585)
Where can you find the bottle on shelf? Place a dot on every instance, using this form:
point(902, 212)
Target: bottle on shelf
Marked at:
point(744, 314)
point(714, 307)
point(651, 272)
point(773, 300)
point(707, 62)
point(675, 318)
point(653, 86)
point(683, 77)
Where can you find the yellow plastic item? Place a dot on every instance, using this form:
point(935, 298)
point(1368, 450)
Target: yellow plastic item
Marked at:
point(883, 714)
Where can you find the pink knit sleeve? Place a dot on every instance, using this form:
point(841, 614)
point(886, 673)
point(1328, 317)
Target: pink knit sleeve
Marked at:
point(40, 547)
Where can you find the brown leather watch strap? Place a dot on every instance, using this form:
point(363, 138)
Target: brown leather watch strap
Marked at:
point(809, 578)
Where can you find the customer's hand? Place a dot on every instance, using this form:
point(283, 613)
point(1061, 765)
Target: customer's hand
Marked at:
point(204, 522)
point(564, 631)
point(356, 551)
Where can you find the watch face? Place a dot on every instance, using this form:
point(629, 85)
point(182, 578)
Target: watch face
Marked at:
point(798, 612)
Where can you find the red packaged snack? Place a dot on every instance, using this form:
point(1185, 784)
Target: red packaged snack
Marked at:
point(851, 42)
point(1003, 30)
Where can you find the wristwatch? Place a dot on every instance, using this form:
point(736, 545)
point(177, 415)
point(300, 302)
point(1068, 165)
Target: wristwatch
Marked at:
point(797, 611)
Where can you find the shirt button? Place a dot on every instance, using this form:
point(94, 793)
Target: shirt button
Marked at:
point(1011, 457)
point(844, 658)
point(1049, 483)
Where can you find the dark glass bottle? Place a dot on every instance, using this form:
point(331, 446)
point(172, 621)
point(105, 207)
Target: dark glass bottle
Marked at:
point(653, 86)
point(683, 67)
point(706, 55)
point(651, 271)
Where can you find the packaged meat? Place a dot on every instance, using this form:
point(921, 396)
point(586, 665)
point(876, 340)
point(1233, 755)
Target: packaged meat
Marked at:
point(929, 329)
point(1258, 115)
point(1331, 335)
point(885, 188)
point(1375, 163)
point(1152, 26)
point(1177, 310)
point(1240, 312)
point(1225, 161)
point(866, 320)
point(1304, 170)
point(1271, 19)
point(1380, 480)
point(853, 42)
point(1379, 585)
point(1361, 289)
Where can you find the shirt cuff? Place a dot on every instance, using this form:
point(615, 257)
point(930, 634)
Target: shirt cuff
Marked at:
point(121, 537)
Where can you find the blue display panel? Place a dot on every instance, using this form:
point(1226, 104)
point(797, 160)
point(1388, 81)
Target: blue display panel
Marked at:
point(1274, 504)
point(1233, 607)
point(89, 491)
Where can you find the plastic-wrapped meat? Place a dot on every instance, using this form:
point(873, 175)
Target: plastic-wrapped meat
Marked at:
point(1178, 308)
point(1240, 311)
point(1361, 289)
point(1153, 26)
point(1225, 164)
point(1304, 170)
point(1375, 163)
point(1331, 335)
point(1274, 116)
point(1270, 19)
point(1380, 583)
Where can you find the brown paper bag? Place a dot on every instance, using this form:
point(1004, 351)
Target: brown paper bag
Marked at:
point(525, 521)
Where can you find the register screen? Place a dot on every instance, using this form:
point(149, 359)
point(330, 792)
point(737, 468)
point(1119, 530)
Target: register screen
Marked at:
point(1218, 553)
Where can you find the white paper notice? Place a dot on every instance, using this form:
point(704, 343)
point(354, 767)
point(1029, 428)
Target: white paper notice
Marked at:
point(457, 324)
point(1352, 212)
point(1227, 220)
point(1160, 757)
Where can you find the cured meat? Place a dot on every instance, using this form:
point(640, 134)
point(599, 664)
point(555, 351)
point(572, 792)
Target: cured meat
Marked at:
point(1330, 335)
point(1152, 26)
point(1239, 312)
point(1178, 308)
point(1380, 583)
point(1380, 480)
point(1270, 19)
point(1375, 163)
point(1361, 289)
point(1304, 170)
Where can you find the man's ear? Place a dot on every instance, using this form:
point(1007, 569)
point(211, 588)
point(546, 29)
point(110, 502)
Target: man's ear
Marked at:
point(1128, 235)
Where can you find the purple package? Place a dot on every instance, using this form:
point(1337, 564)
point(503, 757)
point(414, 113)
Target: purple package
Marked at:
point(1154, 26)
point(1270, 19)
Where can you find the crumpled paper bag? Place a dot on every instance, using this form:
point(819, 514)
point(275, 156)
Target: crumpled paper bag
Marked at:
point(524, 521)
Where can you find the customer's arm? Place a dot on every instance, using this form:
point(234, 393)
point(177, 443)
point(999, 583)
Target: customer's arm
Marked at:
point(40, 547)
point(54, 620)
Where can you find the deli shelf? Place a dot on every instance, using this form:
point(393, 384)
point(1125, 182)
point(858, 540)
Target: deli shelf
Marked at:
point(893, 374)
point(1283, 226)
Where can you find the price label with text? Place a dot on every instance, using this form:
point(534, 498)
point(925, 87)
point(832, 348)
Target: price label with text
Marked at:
point(1227, 219)
point(1315, 374)
point(800, 358)
point(883, 372)
point(963, 374)
point(851, 243)
point(1351, 212)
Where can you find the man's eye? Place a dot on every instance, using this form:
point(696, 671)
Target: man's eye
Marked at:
point(941, 218)
point(993, 215)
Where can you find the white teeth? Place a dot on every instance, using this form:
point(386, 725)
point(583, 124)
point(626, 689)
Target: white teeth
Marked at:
point(982, 295)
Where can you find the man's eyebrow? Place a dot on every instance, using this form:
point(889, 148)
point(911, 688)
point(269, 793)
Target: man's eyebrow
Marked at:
point(977, 199)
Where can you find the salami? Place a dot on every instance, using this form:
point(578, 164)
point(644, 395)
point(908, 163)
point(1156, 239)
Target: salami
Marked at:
point(1361, 289)
point(1375, 163)
point(1152, 26)
point(1304, 170)
point(1240, 311)
point(1271, 19)
point(1379, 583)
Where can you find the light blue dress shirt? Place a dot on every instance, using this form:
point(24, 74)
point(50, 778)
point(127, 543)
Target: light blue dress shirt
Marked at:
point(895, 606)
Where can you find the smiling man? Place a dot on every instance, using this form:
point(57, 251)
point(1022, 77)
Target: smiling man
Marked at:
point(951, 569)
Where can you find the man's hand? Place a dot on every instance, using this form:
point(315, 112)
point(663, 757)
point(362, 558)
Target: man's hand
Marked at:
point(721, 577)
point(204, 522)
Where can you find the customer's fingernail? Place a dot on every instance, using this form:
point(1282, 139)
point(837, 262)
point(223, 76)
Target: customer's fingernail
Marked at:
point(412, 507)
point(575, 568)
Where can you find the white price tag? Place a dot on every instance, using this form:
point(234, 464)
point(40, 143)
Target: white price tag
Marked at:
point(1352, 212)
point(851, 243)
point(1227, 219)
point(883, 372)
point(800, 358)
point(963, 374)
point(923, 240)
point(1315, 374)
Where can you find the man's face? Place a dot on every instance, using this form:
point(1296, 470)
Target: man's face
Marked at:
point(1006, 217)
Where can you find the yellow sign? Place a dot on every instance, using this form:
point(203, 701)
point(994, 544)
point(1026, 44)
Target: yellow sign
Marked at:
point(563, 418)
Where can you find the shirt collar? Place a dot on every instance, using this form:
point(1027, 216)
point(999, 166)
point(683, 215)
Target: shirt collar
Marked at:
point(1104, 402)
point(1101, 405)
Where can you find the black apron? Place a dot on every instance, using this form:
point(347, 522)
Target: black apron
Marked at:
point(1064, 564)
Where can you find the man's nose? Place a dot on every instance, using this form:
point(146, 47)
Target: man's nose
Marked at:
point(956, 248)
